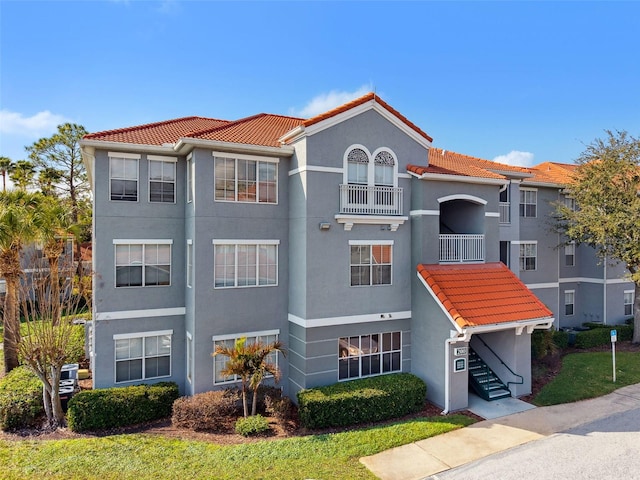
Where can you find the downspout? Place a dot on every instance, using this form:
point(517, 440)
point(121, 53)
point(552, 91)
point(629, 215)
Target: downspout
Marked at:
point(604, 293)
point(454, 337)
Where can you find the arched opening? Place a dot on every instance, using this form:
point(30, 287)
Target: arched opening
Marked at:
point(462, 229)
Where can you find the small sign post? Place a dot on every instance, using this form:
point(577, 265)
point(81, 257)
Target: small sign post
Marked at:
point(614, 338)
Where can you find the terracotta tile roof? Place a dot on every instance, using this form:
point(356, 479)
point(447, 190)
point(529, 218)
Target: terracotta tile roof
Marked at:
point(158, 133)
point(482, 294)
point(359, 101)
point(262, 129)
point(552, 172)
point(451, 163)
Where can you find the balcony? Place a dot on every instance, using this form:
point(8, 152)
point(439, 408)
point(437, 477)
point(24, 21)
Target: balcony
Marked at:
point(505, 212)
point(456, 248)
point(370, 200)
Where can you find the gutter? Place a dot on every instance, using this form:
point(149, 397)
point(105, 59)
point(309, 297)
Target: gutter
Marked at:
point(444, 177)
point(185, 144)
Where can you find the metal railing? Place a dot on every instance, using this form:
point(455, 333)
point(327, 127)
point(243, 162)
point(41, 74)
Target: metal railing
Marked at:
point(371, 200)
point(461, 248)
point(505, 212)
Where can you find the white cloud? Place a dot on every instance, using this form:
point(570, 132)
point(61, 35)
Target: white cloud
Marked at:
point(326, 101)
point(516, 158)
point(39, 124)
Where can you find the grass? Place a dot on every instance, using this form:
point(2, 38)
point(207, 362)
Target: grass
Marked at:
point(23, 325)
point(589, 375)
point(139, 456)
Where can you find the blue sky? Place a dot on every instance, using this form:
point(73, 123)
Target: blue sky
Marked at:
point(521, 82)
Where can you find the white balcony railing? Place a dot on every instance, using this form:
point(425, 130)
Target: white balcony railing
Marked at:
point(461, 248)
point(505, 212)
point(370, 200)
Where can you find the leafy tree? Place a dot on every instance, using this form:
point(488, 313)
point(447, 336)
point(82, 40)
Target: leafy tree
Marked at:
point(606, 189)
point(22, 174)
point(18, 226)
point(6, 166)
point(48, 178)
point(251, 363)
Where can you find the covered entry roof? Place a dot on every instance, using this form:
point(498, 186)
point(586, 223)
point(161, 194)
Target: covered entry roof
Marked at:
point(482, 294)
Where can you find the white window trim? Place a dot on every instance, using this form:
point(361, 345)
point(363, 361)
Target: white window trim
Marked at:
point(370, 164)
point(143, 335)
point(189, 355)
point(255, 158)
point(190, 179)
point(371, 243)
point(573, 305)
point(143, 242)
point(571, 244)
point(257, 243)
point(189, 263)
point(128, 156)
point(524, 242)
point(525, 189)
point(633, 300)
point(140, 241)
point(158, 158)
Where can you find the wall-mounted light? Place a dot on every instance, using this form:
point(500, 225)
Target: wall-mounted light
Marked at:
point(325, 225)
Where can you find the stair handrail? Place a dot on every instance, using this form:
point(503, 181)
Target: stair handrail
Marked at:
point(521, 382)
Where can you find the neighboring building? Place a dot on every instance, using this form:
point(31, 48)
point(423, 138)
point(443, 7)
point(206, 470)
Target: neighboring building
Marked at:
point(346, 236)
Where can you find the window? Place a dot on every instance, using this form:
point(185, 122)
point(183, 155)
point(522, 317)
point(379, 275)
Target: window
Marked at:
point(189, 263)
point(370, 264)
point(162, 180)
point(628, 302)
point(570, 254)
point(570, 203)
point(528, 203)
point(123, 177)
point(220, 361)
point(245, 180)
point(569, 301)
point(368, 355)
point(143, 263)
point(143, 356)
point(190, 172)
point(528, 254)
point(247, 263)
point(357, 166)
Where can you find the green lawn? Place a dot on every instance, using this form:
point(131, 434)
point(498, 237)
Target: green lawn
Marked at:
point(589, 375)
point(139, 456)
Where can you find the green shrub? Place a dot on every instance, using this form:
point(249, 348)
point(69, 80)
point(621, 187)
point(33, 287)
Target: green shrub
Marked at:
point(20, 399)
point(253, 425)
point(561, 339)
point(364, 400)
point(602, 335)
point(75, 348)
point(207, 411)
point(119, 407)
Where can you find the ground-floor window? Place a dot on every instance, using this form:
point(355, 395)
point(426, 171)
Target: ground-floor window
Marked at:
point(220, 361)
point(569, 301)
point(368, 355)
point(628, 302)
point(142, 356)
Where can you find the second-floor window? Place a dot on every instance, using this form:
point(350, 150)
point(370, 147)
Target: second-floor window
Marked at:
point(245, 180)
point(570, 254)
point(628, 302)
point(252, 263)
point(162, 181)
point(528, 256)
point(370, 264)
point(569, 301)
point(528, 203)
point(143, 264)
point(123, 177)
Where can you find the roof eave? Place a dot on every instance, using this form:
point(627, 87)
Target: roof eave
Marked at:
point(129, 147)
point(529, 183)
point(185, 145)
point(530, 324)
point(444, 177)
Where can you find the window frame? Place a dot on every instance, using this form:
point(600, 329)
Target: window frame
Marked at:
point(626, 304)
point(237, 265)
point(569, 306)
point(528, 207)
point(371, 244)
point(259, 184)
point(143, 264)
point(570, 254)
point(522, 259)
point(381, 353)
point(371, 166)
point(143, 357)
point(163, 160)
point(232, 338)
point(189, 263)
point(189, 359)
point(124, 156)
point(189, 179)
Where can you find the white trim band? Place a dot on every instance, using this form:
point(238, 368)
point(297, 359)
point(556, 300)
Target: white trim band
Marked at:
point(244, 156)
point(424, 213)
point(156, 333)
point(349, 319)
point(315, 168)
point(162, 158)
point(216, 241)
point(139, 241)
point(133, 156)
point(148, 313)
point(233, 336)
point(370, 242)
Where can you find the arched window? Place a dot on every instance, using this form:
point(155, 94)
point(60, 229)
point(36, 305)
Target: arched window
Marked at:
point(358, 166)
point(384, 169)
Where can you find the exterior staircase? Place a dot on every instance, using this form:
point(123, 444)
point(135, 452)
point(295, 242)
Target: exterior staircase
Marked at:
point(484, 381)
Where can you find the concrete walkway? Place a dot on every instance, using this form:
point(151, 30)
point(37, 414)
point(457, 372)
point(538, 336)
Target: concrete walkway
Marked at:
point(422, 459)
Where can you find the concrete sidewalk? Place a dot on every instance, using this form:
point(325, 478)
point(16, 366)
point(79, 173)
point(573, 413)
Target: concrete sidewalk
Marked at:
point(427, 457)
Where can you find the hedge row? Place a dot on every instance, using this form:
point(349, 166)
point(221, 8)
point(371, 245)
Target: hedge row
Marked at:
point(602, 335)
point(119, 407)
point(365, 400)
point(20, 399)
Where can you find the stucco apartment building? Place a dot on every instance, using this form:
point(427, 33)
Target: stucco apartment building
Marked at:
point(347, 236)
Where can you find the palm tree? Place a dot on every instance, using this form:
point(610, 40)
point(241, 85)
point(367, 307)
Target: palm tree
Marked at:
point(6, 166)
point(48, 177)
point(22, 174)
point(17, 227)
point(250, 363)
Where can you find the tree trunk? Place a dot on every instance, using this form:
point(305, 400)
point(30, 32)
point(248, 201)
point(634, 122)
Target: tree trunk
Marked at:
point(11, 323)
point(46, 400)
point(53, 250)
point(636, 314)
point(56, 404)
point(254, 402)
point(244, 399)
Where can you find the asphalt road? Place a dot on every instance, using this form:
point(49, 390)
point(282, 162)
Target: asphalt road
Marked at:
point(605, 449)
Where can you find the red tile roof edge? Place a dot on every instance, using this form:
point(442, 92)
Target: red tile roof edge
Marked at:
point(95, 135)
point(238, 122)
point(359, 101)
